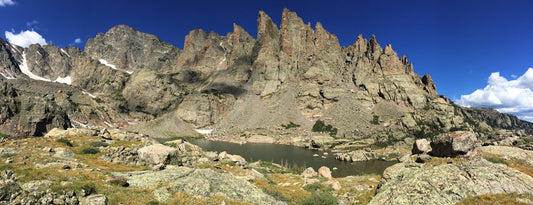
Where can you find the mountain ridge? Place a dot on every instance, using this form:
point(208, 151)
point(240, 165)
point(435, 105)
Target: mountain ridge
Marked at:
point(237, 84)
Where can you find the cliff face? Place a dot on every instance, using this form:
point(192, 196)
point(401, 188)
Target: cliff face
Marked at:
point(239, 84)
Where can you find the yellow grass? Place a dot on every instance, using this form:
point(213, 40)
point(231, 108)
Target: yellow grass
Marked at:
point(501, 199)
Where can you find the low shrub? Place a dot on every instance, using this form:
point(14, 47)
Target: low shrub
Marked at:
point(320, 126)
point(99, 144)
point(322, 198)
point(290, 125)
point(375, 120)
point(90, 150)
point(2, 135)
point(65, 141)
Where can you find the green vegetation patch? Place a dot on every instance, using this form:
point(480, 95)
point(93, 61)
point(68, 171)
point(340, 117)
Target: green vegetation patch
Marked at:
point(8, 155)
point(90, 150)
point(496, 160)
point(320, 126)
point(320, 194)
point(99, 144)
point(65, 141)
point(290, 125)
point(2, 135)
point(375, 120)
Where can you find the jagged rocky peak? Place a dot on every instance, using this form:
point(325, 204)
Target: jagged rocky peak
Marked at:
point(127, 49)
point(48, 61)
point(10, 54)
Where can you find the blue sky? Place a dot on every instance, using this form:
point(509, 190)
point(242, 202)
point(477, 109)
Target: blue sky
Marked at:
point(459, 43)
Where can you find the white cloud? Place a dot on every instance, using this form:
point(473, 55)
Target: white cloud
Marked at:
point(6, 2)
point(77, 41)
point(25, 38)
point(507, 96)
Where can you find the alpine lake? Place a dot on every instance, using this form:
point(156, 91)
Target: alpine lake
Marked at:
point(295, 156)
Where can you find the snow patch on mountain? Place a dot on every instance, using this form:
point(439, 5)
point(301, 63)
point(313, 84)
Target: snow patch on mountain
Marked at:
point(24, 69)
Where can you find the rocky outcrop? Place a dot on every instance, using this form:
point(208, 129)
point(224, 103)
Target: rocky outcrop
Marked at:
point(406, 183)
point(33, 192)
point(453, 144)
point(199, 183)
point(29, 114)
point(357, 155)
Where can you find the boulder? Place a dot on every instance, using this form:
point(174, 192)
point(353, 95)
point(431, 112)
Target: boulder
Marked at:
point(156, 154)
point(63, 153)
point(453, 144)
point(98, 199)
point(309, 173)
point(407, 183)
point(324, 172)
point(421, 146)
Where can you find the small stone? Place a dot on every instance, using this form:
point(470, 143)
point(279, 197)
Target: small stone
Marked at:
point(65, 166)
point(159, 167)
point(9, 161)
point(316, 155)
point(423, 158)
point(335, 168)
point(117, 180)
point(309, 172)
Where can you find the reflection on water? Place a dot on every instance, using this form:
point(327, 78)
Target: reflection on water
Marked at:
point(300, 156)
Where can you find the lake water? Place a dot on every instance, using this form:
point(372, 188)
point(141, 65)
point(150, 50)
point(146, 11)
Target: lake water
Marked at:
point(276, 153)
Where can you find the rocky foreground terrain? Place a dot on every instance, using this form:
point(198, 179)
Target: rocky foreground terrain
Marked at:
point(78, 126)
point(97, 166)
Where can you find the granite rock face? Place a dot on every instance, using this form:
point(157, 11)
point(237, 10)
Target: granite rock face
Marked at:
point(406, 183)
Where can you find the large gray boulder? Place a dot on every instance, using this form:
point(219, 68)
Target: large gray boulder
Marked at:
point(156, 154)
point(453, 143)
point(421, 146)
point(407, 183)
point(200, 183)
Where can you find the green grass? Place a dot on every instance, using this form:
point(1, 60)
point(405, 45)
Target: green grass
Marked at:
point(7, 155)
point(65, 141)
point(496, 160)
